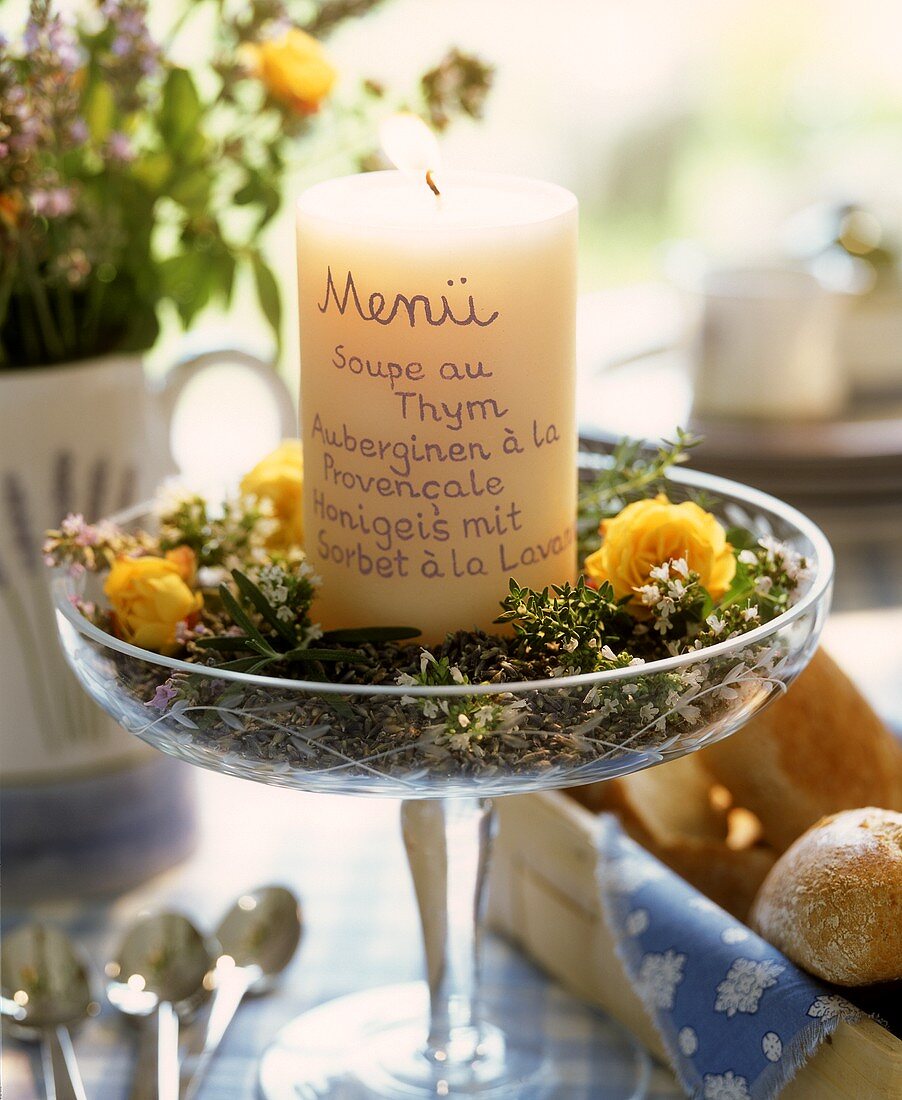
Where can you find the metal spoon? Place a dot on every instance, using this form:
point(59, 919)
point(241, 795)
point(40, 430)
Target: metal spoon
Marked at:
point(163, 969)
point(258, 935)
point(45, 989)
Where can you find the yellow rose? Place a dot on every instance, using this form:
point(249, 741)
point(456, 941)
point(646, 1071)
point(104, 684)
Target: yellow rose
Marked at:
point(294, 69)
point(150, 599)
point(185, 561)
point(650, 532)
point(279, 478)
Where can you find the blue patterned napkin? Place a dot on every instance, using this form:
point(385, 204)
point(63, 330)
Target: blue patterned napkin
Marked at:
point(738, 1019)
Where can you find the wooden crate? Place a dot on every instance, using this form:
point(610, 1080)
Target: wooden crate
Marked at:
point(543, 897)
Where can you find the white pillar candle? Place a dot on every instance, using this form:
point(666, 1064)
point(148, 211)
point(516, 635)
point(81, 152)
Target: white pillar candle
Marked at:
point(437, 395)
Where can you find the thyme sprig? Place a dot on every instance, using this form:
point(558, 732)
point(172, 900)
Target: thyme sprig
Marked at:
point(571, 623)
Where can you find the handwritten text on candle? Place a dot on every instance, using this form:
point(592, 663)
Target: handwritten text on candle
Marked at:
point(426, 448)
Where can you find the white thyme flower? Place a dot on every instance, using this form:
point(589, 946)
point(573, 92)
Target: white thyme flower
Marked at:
point(649, 594)
point(748, 557)
point(680, 566)
point(456, 675)
point(716, 624)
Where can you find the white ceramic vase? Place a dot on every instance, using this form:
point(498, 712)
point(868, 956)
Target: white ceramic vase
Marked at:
point(82, 802)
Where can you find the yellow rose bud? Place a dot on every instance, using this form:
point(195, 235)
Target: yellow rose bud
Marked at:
point(650, 532)
point(185, 561)
point(150, 599)
point(279, 478)
point(294, 69)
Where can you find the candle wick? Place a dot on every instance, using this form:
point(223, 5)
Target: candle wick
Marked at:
point(430, 180)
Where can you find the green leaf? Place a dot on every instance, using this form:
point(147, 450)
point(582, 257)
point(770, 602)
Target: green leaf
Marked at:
point(225, 642)
point(180, 113)
point(188, 279)
point(311, 654)
point(240, 617)
point(99, 109)
point(225, 271)
point(268, 295)
point(191, 190)
point(372, 634)
point(251, 592)
point(741, 539)
point(153, 170)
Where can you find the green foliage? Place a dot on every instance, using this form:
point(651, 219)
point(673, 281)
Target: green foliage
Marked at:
point(231, 533)
point(269, 623)
point(572, 624)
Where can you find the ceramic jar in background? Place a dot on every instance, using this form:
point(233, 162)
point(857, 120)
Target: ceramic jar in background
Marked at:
point(766, 345)
point(85, 807)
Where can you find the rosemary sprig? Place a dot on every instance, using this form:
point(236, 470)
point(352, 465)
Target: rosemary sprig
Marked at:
point(631, 474)
point(267, 636)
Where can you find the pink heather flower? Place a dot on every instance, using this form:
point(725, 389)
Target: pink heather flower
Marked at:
point(75, 527)
point(55, 202)
point(163, 696)
point(78, 132)
point(119, 148)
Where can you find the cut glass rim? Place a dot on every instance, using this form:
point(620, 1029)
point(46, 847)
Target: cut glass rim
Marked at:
point(740, 494)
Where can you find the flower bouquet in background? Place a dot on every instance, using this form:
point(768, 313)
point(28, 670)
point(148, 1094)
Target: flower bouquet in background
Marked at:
point(133, 188)
point(128, 180)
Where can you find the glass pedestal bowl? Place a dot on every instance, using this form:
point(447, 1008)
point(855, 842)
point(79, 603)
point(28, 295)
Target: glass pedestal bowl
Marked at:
point(398, 741)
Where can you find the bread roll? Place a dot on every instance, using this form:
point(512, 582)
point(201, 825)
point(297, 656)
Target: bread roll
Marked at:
point(670, 812)
point(818, 749)
point(833, 902)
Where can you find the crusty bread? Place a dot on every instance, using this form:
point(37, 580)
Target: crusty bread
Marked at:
point(833, 902)
point(670, 812)
point(819, 749)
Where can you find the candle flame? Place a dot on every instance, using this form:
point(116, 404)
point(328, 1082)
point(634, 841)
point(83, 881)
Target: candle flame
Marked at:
point(411, 146)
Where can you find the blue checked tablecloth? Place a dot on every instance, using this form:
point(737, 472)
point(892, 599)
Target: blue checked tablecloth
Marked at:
point(345, 858)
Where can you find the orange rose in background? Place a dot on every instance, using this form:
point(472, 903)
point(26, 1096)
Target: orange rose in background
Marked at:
point(150, 599)
point(279, 478)
point(650, 532)
point(294, 69)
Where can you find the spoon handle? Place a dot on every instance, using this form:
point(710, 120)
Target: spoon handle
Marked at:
point(226, 999)
point(62, 1080)
point(167, 1052)
point(144, 1075)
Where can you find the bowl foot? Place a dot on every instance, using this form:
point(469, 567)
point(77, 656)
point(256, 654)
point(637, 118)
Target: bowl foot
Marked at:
point(370, 1044)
